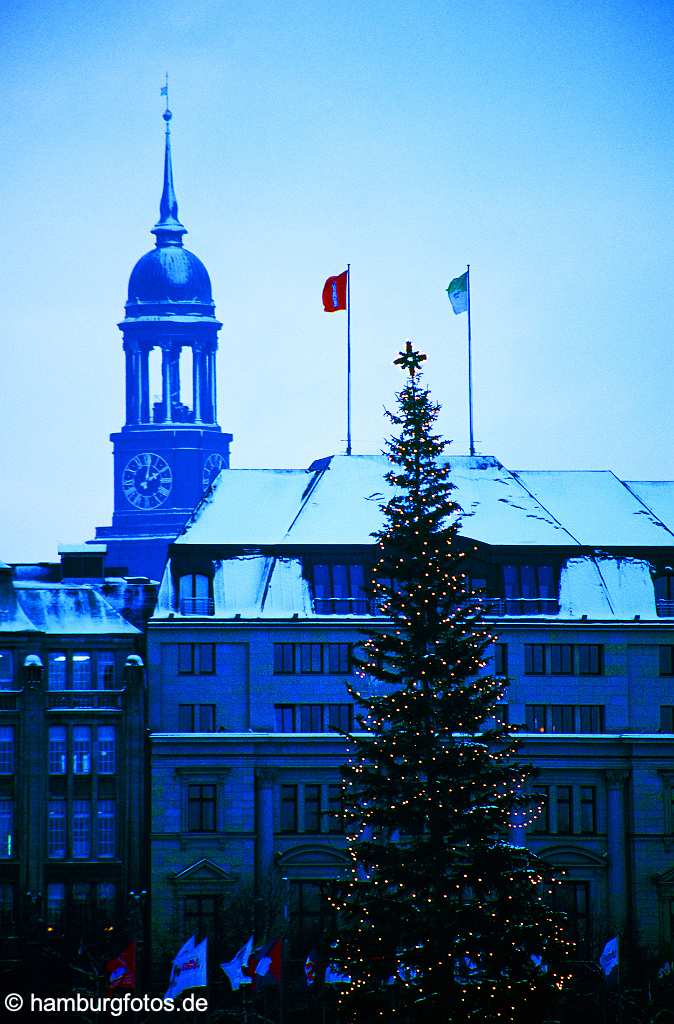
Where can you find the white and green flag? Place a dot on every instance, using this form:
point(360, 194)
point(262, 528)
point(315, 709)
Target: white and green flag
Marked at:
point(458, 293)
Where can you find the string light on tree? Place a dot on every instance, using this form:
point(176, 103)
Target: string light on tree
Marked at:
point(442, 919)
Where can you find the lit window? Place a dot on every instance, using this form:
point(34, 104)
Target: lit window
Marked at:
point(56, 828)
point(81, 671)
point(81, 750)
point(6, 749)
point(106, 749)
point(56, 904)
point(6, 670)
point(106, 822)
point(105, 670)
point(194, 591)
point(57, 751)
point(57, 668)
point(81, 829)
point(6, 828)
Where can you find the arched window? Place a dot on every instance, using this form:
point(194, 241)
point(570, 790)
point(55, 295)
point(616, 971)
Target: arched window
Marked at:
point(195, 594)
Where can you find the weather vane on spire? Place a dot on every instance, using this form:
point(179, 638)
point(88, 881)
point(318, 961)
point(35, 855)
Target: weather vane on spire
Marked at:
point(167, 115)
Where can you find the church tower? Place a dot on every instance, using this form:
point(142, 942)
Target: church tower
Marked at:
point(170, 448)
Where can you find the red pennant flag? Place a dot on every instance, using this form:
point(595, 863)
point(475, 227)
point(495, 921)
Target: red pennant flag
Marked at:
point(334, 292)
point(121, 971)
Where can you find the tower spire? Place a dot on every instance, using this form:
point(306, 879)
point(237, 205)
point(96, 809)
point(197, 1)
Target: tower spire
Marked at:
point(168, 229)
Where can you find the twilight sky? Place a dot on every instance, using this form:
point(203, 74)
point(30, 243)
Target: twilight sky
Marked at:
point(533, 140)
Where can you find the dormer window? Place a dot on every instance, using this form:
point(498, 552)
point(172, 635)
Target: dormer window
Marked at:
point(195, 594)
point(530, 589)
point(663, 585)
point(339, 589)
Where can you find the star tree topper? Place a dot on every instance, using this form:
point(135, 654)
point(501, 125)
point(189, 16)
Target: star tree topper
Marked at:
point(410, 359)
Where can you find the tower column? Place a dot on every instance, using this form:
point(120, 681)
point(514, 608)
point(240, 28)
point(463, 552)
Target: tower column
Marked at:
point(211, 381)
point(131, 392)
point(144, 389)
point(197, 377)
point(166, 383)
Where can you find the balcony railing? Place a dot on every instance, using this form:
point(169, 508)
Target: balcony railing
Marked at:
point(519, 605)
point(197, 606)
point(73, 699)
point(664, 606)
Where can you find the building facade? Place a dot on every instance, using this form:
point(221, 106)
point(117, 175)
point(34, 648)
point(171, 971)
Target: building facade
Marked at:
point(72, 761)
point(246, 689)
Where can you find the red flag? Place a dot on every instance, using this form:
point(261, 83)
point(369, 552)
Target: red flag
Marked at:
point(334, 292)
point(121, 971)
point(265, 963)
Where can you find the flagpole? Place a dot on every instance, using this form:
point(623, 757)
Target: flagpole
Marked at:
point(470, 368)
point(348, 359)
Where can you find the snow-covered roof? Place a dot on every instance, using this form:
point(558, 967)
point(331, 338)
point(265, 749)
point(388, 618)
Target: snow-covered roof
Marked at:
point(596, 508)
point(62, 608)
point(337, 502)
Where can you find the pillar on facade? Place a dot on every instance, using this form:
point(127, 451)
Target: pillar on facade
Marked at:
point(144, 386)
point(166, 383)
point(617, 849)
point(197, 381)
point(264, 826)
point(132, 406)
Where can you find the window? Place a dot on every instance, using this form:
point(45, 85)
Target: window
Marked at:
point(311, 717)
point(285, 717)
point(196, 659)
point(534, 659)
point(57, 750)
point(340, 716)
point(339, 589)
point(535, 717)
point(195, 595)
point(308, 914)
point(572, 899)
point(541, 825)
point(663, 585)
point(201, 808)
point(564, 810)
point(288, 808)
point(561, 659)
point(105, 670)
point(312, 659)
point(81, 829)
point(666, 652)
point(312, 808)
point(106, 898)
point(81, 750)
point(501, 714)
point(106, 749)
point(588, 810)
point(6, 749)
point(565, 718)
point(56, 904)
point(590, 659)
point(530, 590)
point(667, 718)
point(196, 717)
point(284, 659)
point(106, 828)
point(6, 907)
point(56, 828)
point(314, 717)
point(335, 822)
point(562, 718)
point(501, 659)
point(81, 671)
point(339, 658)
point(57, 668)
point(6, 670)
point(6, 828)
point(201, 914)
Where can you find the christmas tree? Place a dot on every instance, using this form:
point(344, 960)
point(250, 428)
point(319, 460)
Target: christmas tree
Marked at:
point(443, 919)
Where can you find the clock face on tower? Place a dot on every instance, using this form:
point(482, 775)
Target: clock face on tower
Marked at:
point(147, 480)
point(212, 466)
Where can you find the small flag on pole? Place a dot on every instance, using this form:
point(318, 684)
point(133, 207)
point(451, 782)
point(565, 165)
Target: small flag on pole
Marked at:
point(189, 968)
point(164, 90)
point(121, 971)
point(335, 292)
point(458, 293)
point(237, 969)
point(609, 958)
